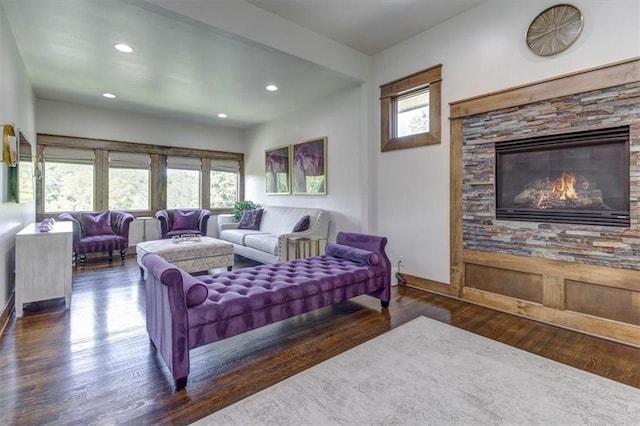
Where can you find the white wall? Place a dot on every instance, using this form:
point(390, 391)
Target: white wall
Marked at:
point(68, 119)
point(17, 107)
point(481, 51)
point(337, 117)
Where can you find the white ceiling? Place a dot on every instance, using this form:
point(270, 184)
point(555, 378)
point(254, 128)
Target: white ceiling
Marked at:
point(369, 26)
point(188, 71)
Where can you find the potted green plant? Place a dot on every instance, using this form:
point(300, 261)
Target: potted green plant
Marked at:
point(241, 206)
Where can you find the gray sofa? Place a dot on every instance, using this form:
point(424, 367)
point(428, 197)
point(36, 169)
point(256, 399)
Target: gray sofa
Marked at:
point(269, 243)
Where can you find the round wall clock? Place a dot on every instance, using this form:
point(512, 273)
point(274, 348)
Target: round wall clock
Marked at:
point(554, 29)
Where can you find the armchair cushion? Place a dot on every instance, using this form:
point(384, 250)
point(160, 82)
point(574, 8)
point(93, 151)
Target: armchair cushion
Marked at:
point(184, 221)
point(99, 231)
point(96, 223)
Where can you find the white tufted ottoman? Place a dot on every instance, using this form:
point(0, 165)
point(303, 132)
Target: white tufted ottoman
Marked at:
point(190, 256)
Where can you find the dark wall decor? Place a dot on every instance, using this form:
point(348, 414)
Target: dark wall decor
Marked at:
point(309, 159)
point(277, 176)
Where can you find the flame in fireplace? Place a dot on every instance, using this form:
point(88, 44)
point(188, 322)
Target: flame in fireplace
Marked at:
point(561, 189)
point(564, 187)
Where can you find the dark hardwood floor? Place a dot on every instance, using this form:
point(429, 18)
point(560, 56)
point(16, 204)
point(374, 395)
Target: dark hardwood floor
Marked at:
point(93, 364)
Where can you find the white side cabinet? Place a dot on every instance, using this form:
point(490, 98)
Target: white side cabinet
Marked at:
point(43, 264)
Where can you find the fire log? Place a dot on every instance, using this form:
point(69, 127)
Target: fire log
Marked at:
point(554, 194)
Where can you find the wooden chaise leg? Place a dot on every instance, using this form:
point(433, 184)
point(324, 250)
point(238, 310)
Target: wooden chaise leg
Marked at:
point(123, 254)
point(110, 255)
point(181, 384)
point(384, 304)
point(83, 260)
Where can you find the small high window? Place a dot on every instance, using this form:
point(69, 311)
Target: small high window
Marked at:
point(410, 110)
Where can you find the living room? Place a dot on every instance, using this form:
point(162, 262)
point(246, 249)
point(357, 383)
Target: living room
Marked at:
point(404, 194)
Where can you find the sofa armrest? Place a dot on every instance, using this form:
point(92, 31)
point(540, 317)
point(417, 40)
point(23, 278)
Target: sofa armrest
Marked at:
point(163, 222)
point(77, 229)
point(120, 222)
point(166, 312)
point(225, 226)
point(203, 221)
point(376, 245)
point(319, 229)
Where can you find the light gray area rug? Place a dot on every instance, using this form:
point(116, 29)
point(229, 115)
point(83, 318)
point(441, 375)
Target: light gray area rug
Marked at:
point(427, 372)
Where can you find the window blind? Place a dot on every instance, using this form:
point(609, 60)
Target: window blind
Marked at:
point(56, 154)
point(231, 166)
point(413, 100)
point(183, 163)
point(129, 160)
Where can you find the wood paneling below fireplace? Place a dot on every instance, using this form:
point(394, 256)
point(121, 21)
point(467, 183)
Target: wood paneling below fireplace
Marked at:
point(594, 299)
point(507, 282)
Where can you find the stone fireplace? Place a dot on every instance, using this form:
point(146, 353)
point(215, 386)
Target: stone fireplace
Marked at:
point(587, 241)
point(545, 201)
point(580, 177)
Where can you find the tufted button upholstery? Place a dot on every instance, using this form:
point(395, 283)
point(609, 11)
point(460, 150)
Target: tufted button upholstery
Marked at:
point(245, 292)
point(246, 299)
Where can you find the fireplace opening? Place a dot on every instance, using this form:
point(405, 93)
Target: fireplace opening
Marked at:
point(580, 177)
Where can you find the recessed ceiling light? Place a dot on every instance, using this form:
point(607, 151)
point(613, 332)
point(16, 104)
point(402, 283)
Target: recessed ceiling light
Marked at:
point(124, 48)
point(272, 87)
point(109, 95)
point(222, 115)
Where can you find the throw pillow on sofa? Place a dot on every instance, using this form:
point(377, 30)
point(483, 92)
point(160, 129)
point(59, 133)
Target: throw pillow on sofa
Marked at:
point(184, 221)
point(251, 219)
point(302, 224)
point(96, 224)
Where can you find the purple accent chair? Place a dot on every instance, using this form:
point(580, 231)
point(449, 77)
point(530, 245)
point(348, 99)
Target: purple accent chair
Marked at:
point(192, 221)
point(185, 312)
point(95, 232)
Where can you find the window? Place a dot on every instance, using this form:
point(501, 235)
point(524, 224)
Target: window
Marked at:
point(93, 174)
point(68, 179)
point(128, 181)
point(412, 113)
point(224, 183)
point(183, 182)
point(410, 109)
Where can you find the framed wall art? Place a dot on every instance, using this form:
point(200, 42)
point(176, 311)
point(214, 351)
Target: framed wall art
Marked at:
point(277, 174)
point(25, 172)
point(309, 166)
point(9, 145)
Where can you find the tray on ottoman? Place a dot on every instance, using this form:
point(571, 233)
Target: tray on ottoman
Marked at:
point(191, 255)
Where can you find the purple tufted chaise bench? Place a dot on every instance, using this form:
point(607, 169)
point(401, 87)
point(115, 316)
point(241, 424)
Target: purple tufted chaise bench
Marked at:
point(185, 312)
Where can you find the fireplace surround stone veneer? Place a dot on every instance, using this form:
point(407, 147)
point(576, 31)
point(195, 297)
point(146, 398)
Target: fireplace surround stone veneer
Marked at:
point(588, 244)
point(581, 277)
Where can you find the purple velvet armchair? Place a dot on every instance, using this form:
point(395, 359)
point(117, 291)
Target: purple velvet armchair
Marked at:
point(182, 221)
point(95, 232)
